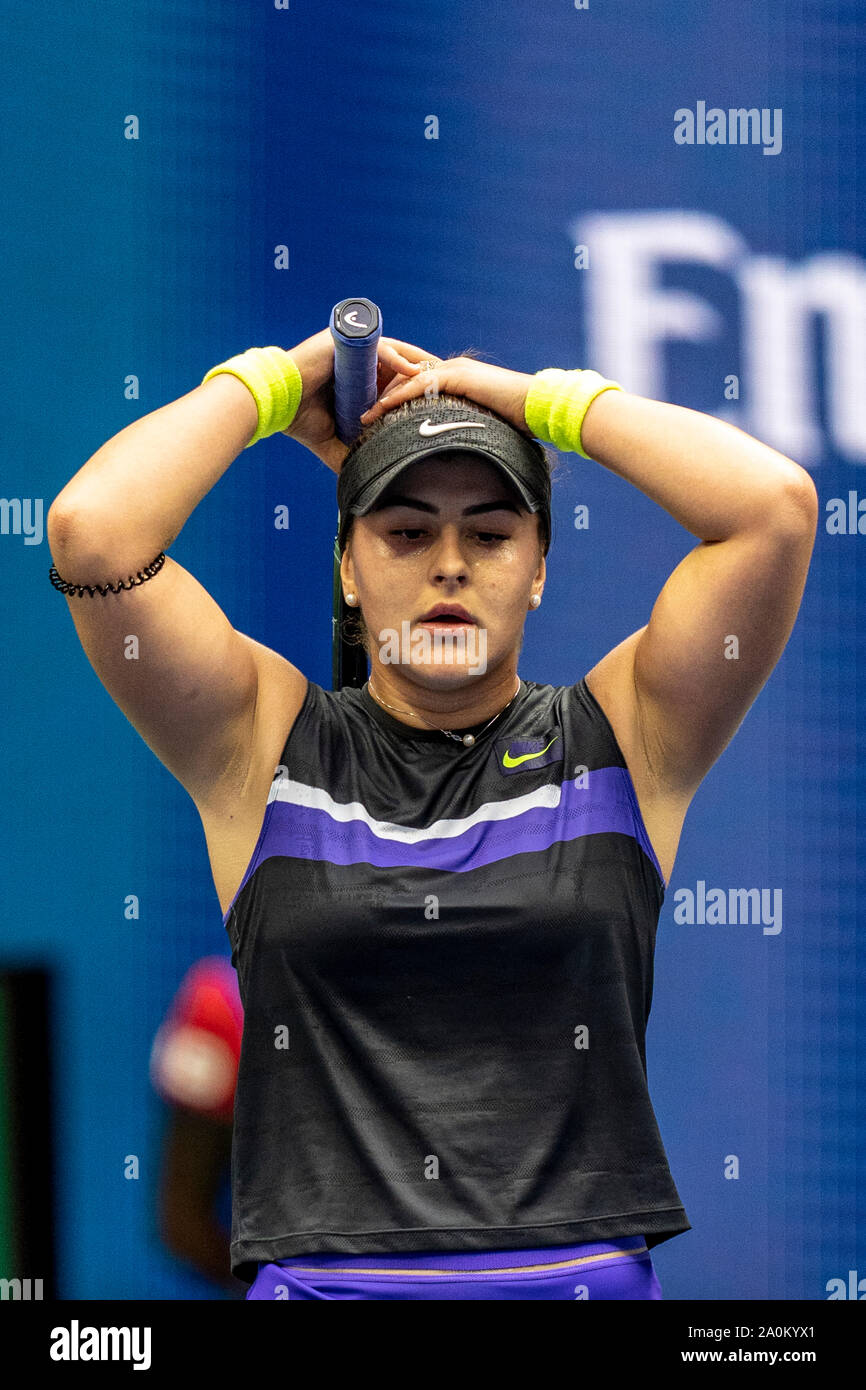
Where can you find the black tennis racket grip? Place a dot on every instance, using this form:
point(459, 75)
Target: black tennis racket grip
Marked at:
point(356, 327)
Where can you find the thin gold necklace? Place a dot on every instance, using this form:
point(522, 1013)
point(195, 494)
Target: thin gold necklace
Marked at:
point(466, 739)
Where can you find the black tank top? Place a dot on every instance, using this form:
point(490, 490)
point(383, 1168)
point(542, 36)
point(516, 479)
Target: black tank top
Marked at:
point(445, 958)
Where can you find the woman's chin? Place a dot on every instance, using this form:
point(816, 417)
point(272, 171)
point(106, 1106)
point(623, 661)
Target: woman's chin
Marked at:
point(442, 674)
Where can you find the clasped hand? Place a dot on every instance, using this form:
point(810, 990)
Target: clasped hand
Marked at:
point(401, 375)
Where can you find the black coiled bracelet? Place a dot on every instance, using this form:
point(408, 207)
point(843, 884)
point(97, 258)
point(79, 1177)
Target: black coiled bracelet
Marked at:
point(81, 589)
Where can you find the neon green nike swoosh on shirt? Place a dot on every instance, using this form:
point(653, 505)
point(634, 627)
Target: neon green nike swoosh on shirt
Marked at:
point(508, 761)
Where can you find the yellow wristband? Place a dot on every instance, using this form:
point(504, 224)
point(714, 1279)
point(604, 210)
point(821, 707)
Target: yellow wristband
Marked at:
point(557, 402)
point(272, 376)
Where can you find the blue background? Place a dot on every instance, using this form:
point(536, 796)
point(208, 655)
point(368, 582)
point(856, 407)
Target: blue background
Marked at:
point(305, 127)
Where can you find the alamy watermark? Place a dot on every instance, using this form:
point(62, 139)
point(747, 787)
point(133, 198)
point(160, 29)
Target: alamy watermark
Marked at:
point(448, 647)
point(720, 907)
point(77, 1343)
point(22, 516)
point(736, 126)
point(22, 1290)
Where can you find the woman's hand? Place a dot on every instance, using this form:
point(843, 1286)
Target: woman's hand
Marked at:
point(314, 425)
point(496, 387)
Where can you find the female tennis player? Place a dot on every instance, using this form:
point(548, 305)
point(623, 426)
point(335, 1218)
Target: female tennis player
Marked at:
point(441, 889)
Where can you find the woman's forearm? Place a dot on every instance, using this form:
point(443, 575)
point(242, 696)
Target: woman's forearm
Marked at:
point(131, 499)
point(714, 479)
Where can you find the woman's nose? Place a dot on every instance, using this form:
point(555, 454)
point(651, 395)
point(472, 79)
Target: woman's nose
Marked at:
point(449, 554)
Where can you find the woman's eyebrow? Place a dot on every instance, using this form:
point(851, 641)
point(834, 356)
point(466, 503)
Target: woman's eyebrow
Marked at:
point(503, 504)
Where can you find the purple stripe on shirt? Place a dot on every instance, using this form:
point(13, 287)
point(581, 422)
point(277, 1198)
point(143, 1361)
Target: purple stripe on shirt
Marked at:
point(607, 804)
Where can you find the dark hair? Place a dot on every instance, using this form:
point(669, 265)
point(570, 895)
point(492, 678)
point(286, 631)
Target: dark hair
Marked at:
point(354, 627)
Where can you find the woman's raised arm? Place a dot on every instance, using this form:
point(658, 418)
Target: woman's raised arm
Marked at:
point(164, 650)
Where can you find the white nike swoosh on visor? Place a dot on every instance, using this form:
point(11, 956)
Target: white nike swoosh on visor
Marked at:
point(426, 428)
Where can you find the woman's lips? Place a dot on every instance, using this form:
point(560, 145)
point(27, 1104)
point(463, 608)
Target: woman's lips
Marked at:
point(446, 622)
point(451, 612)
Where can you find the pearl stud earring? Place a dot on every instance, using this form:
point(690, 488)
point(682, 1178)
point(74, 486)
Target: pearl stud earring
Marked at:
point(351, 599)
point(535, 600)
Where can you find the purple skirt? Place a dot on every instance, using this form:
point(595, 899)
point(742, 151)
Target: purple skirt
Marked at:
point(607, 1269)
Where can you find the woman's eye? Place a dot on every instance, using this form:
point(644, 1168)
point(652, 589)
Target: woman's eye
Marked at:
point(412, 533)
